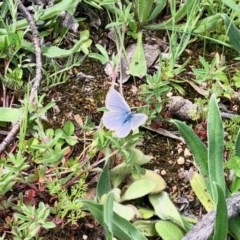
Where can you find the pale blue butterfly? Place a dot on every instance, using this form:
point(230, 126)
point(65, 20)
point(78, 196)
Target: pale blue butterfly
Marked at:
point(119, 117)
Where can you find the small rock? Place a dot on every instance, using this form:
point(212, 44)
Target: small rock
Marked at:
point(170, 162)
point(84, 237)
point(163, 172)
point(174, 188)
point(181, 175)
point(180, 150)
point(181, 161)
point(187, 153)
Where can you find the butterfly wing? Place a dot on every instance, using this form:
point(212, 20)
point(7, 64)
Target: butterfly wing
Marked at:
point(116, 102)
point(137, 120)
point(124, 130)
point(113, 120)
point(117, 122)
point(119, 117)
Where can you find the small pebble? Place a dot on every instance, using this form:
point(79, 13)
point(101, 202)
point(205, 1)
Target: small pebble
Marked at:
point(84, 237)
point(170, 162)
point(174, 188)
point(187, 153)
point(181, 161)
point(163, 172)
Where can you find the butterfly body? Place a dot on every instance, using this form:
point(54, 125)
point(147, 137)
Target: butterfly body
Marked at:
point(119, 117)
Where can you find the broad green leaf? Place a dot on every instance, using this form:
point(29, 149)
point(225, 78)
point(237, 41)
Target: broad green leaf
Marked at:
point(10, 114)
point(147, 228)
point(168, 230)
point(146, 213)
point(138, 65)
point(201, 192)
point(165, 209)
point(122, 228)
point(68, 128)
point(138, 188)
point(215, 136)
point(160, 184)
point(126, 212)
point(221, 219)
point(232, 32)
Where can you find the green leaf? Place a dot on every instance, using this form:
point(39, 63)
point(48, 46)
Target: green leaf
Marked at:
point(185, 9)
point(165, 209)
point(234, 227)
point(234, 164)
point(215, 146)
point(126, 212)
point(55, 52)
point(201, 192)
point(237, 144)
point(68, 128)
point(160, 4)
point(55, 10)
point(159, 182)
point(104, 185)
point(221, 219)
point(168, 230)
point(118, 173)
point(138, 65)
point(147, 228)
point(144, 8)
point(198, 149)
point(122, 228)
point(232, 4)
point(10, 114)
point(145, 213)
point(108, 216)
point(140, 157)
point(232, 32)
point(138, 188)
point(208, 24)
